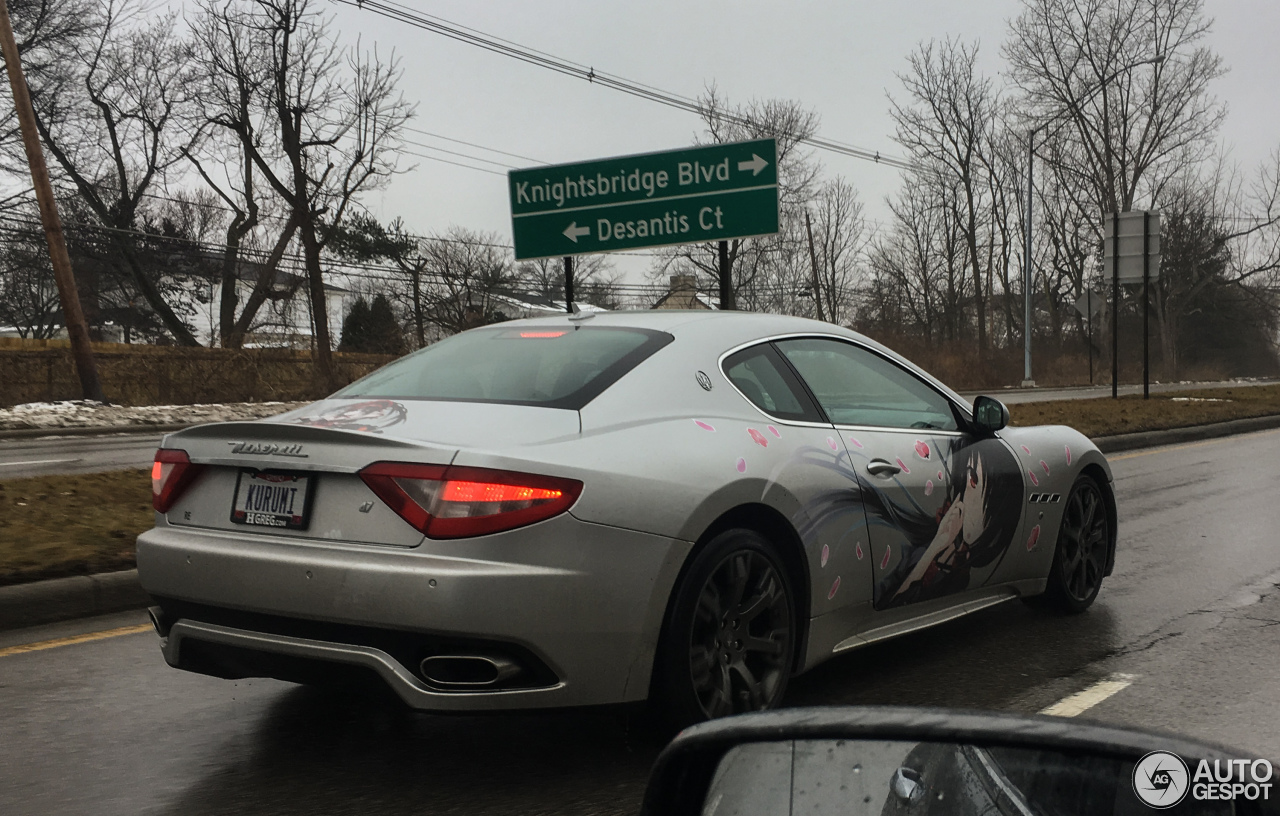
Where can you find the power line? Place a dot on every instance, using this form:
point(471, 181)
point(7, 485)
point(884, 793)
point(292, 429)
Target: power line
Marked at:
point(542, 59)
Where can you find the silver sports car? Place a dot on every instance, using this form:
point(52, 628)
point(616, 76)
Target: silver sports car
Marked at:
point(599, 508)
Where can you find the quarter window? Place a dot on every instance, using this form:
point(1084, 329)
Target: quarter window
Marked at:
point(856, 387)
point(762, 376)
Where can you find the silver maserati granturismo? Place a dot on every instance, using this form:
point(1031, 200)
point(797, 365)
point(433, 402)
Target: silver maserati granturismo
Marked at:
point(689, 507)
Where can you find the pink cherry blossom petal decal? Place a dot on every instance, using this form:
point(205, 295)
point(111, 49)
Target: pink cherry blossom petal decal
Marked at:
point(940, 476)
point(1068, 447)
point(774, 431)
point(855, 442)
point(928, 487)
point(826, 553)
point(903, 465)
point(1034, 480)
point(831, 443)
point(1033, 538)
point(759, 438)
point(703, 425)
point(922, 449)
point(884, 562)
point(835, 587)
point(1026, 450)
point(1045, 465)
point(858, 550)
point(742, 465)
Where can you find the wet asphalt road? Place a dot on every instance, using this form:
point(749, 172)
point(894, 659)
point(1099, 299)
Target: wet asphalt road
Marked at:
point(1192, 613)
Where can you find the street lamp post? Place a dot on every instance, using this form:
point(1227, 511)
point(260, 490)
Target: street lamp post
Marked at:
point(1027, 381)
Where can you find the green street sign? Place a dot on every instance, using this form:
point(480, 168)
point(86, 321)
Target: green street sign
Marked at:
point(655, 199)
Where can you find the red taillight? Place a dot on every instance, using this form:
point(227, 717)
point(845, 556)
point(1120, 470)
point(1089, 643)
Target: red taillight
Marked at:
point(460, 502)
point(170, 475)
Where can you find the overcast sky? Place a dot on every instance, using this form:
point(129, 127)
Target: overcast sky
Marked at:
point(836, 58)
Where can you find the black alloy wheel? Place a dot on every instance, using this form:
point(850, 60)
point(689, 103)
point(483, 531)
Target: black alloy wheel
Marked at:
point(730, 640)
point(1084, 538)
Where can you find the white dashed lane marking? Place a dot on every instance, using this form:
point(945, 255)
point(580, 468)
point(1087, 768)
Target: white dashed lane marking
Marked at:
point(1082, 701)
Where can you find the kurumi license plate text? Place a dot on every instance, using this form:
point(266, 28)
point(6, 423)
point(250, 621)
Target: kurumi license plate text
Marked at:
point(271, 499)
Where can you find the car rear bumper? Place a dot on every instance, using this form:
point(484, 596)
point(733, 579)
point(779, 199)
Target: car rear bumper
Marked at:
point(577, 606)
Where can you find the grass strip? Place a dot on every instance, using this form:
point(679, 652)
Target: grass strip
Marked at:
point(80, 524)
point(54, 526)
point(1131, 414)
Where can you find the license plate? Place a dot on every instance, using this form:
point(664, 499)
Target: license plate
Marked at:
point(267, 499)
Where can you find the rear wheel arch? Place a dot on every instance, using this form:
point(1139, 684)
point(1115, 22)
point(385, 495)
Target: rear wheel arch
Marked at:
point(773, 525)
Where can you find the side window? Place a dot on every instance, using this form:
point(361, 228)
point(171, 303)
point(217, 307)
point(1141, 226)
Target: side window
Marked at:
point(857, 387)
point(765, 379)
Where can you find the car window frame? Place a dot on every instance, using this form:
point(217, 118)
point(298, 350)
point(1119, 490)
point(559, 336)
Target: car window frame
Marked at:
point(964, 420)
point(793, 381)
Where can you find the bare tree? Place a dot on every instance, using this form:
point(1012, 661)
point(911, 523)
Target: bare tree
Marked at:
point(464, 270)
point(947, 127)
point(1219, 232)
point(765, 272)
point(321, 124)
point(595, 280)
point(839, 233)
point(1133, 123)
point(113, 115)
point(232, 76)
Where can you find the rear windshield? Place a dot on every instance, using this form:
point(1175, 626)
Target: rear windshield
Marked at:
point(554, 367)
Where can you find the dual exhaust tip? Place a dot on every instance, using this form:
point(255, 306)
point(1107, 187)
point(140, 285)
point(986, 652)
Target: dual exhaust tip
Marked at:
point(468, 672)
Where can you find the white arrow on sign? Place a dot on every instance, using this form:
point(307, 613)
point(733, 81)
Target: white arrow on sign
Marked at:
point(574, 232)
point(755, 165)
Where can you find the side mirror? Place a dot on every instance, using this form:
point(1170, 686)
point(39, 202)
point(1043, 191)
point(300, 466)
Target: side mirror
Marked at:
point(886, 761)
point(989, 414)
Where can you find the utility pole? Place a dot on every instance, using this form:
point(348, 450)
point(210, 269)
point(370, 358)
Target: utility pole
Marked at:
point(813, 261)
point(73, 315)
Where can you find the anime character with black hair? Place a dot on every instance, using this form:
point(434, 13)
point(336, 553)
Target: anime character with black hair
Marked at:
point(972, 528)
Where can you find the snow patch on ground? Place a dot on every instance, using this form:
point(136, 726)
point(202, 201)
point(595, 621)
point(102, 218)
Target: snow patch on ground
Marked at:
point(90, 414)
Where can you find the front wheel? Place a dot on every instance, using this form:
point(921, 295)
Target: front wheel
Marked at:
point(1080, 559)
point(729, 641)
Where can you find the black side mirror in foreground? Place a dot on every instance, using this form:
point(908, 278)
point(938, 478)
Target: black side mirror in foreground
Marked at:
point(989, 414)
point(908, 761)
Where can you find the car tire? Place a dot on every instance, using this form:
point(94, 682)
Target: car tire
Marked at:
point(729, 641)
point(1080, 557)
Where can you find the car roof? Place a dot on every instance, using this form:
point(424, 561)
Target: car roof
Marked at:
point(730, 328)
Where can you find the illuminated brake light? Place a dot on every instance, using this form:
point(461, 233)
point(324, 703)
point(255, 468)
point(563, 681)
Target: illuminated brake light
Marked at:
point(171, 472)
point(489, 492)
point(461, 502)
point(542, 334)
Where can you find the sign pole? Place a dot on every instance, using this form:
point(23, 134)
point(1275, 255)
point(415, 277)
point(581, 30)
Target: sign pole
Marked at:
point(1146, 304)
point(1115, 305)
point(1089, 341)
point(726, 279)
point(568, 284)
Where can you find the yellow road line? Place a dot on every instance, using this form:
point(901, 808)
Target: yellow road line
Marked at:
point(74, 639)
point(1188, 445)
point(1082, 701)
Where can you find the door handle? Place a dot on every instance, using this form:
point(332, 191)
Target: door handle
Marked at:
point(880, 467)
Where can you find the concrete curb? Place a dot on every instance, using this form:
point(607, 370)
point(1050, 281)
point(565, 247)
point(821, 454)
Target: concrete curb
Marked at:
point(80, 596)
point(87, 595)
point(1194, 433)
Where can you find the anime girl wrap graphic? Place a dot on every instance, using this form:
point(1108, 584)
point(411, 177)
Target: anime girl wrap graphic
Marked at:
point(371, 416)
point(972, 528)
